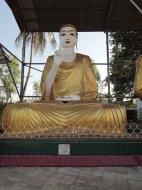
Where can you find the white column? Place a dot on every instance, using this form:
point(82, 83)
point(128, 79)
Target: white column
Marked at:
point(139, 109)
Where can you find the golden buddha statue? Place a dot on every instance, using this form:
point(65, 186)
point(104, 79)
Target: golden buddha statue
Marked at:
point(138, 88)
point(67, 77)
point(138, 78)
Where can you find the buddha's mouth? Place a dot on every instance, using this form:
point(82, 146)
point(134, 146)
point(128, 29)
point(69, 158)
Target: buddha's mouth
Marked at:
point(67, 41)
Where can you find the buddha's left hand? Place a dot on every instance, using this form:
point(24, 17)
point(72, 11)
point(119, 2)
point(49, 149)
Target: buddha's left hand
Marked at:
point(69, 98)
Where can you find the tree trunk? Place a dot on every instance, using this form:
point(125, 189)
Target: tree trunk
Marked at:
point(29, 70)
point(22, 67)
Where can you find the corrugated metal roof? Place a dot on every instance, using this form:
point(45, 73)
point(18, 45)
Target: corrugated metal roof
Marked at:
point(87, 15)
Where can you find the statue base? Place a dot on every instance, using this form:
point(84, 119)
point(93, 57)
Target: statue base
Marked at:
point(70, 152)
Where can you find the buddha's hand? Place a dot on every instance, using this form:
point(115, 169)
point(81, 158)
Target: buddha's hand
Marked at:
point(69, 98)
point(58, 57)
point(72, 97)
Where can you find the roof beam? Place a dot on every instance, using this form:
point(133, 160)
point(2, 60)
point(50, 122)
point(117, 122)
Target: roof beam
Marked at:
point(65, 8)
point(13, 4)
point(76, 9)
point(135, 5)
point(109, 14)
point(50, 20)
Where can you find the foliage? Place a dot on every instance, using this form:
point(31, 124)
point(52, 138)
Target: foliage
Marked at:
point(98, 76)
point(36, 38)
point(37, 42)
point(126, 47)
point(8, 90)
point(36, 88)
point(96, 71)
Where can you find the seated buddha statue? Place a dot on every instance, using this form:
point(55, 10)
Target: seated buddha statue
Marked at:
point(138, 87)
point(138, 78)
point(68, 106)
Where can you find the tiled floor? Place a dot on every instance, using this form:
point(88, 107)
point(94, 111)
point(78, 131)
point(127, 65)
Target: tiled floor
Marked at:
point(47, 178)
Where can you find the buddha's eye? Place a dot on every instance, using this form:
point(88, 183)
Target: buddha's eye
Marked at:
point(63, 34)
point(72, 34)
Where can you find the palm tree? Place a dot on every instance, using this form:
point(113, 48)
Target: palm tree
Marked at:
point(37, 40)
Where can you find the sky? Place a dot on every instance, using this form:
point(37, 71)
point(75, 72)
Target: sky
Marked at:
point(89, 43)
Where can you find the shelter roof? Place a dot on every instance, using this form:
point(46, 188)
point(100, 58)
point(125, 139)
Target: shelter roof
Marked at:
point(87, 15)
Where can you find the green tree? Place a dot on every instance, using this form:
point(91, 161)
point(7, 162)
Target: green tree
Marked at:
point(36, 88)
point(7, 88)
point(96, 71)
point(37, 42)
point(126, 47)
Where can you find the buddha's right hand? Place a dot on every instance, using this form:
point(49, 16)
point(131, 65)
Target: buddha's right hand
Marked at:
point(58, 57)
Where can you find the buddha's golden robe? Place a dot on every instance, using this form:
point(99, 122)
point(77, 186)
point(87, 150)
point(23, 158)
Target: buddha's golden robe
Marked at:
point(138, 78)
point(73, 119)
point(75, 78)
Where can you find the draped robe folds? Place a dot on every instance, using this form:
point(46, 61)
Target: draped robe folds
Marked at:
point(75, 78)
point(138, 78)
point(73, 119)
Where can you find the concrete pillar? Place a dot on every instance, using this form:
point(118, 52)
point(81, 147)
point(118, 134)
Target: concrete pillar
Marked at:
point(139, 109)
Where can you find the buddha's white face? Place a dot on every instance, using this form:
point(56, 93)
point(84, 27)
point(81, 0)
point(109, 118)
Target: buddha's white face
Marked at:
point(68, 37)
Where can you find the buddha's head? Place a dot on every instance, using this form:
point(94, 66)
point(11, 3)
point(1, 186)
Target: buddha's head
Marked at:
point(68, 36)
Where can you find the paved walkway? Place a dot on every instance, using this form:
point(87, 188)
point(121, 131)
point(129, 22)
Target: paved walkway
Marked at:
point(99, 178)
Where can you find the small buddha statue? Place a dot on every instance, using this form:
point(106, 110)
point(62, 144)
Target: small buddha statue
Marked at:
point(68, 106)
point(138, 87)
